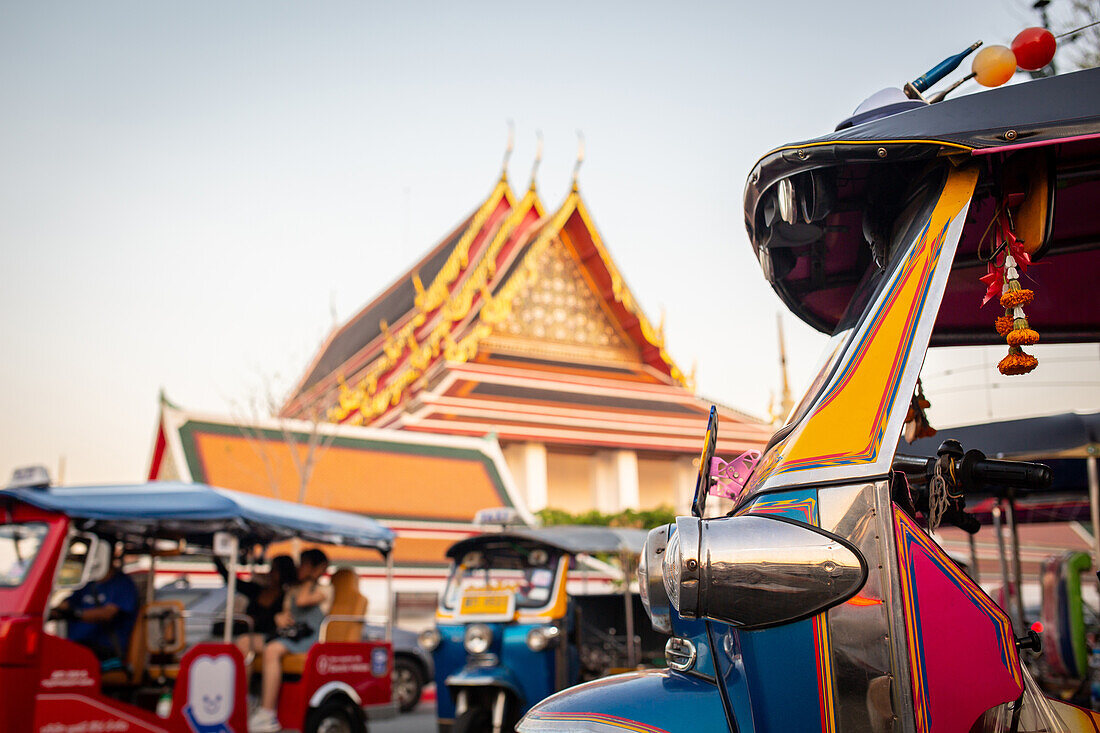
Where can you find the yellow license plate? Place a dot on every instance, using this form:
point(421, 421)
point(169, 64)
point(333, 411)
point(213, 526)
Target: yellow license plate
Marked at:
point(485, 604)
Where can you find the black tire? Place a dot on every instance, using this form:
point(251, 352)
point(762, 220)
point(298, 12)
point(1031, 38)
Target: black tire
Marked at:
point(408, 683)
point(335, 716)
point(477, 719)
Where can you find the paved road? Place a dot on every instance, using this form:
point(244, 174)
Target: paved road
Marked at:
point(421, 720)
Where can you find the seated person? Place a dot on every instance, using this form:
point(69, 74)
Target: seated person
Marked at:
point(101, 615)
point(299, 626)
point(266, 598)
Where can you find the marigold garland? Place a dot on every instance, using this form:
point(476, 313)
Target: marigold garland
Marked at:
point(1017, 298)
point(1017, 362)
point(1013, 324)
point(1022, 337)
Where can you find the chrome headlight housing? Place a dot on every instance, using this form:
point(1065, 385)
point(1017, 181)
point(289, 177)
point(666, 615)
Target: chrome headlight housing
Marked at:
point(756, 571)
point(680, 567)
point(651, 586)
point(541, 637)
point(429, 639)
point(477, 638)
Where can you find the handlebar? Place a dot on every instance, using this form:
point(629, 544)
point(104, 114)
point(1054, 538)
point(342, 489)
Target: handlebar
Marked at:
point(975, 471)
point(967, 472)
point(979, 471)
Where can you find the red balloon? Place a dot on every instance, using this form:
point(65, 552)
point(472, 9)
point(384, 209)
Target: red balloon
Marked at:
point(1034, 48)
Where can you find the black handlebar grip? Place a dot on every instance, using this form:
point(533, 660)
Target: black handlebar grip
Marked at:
point(916, 467)
point(977, 471)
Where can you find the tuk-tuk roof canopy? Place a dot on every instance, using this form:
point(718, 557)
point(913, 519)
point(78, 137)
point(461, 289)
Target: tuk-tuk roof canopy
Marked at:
point(571, 539)
point(195, 511)
point(857, 181)
point(1053, 108)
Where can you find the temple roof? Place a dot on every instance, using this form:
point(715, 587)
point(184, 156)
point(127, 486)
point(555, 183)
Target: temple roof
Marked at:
point(394, 302)
point(400, 298)
point(518, 316)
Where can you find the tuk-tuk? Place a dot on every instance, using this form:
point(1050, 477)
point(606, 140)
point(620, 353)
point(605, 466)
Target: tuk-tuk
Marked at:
point(822, 602)
point(55, 539)
point(510, 631)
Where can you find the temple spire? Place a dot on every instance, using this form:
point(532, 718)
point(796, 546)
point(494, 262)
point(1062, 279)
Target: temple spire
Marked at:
point(508, 150)
point(785, 401)
point(580, 159)
point(538, 159)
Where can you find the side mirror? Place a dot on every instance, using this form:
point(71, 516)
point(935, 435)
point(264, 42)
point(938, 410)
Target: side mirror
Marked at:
point(99, 560)
point(87, 558)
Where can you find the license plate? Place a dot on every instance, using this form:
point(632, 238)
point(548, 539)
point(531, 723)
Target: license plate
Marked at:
point(485, 604)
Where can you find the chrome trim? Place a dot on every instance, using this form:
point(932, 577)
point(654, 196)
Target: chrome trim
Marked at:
point(681, 566)
point(680, 654)
point(902, 696)
point(482, 661)
point(328, 688)
point(859, 633)
point(759, 571)
point(651, 583)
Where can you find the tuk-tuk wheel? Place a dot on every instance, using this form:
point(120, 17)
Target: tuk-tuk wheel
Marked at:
point(407, 685)
point(335, 716)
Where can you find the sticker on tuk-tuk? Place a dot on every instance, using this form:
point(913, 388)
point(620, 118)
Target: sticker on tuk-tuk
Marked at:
point(209, 694)
point(486, 604)
point(379, 661)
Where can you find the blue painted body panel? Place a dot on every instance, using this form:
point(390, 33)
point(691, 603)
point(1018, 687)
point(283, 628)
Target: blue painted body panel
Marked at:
point(773, 672)
point(530, 675)
point(778, 674)
point(449, 658)
point(658, 699)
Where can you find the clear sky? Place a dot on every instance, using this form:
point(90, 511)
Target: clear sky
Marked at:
point(192, 192)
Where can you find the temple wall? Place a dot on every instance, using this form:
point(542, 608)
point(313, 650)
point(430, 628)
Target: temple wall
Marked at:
point(657, 482)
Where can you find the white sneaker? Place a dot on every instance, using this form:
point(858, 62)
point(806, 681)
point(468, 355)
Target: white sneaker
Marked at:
point(263, 720)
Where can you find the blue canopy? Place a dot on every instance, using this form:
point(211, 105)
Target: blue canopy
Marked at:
point(196, 511)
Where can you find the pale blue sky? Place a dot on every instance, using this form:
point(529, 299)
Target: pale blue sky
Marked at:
point(188, 189)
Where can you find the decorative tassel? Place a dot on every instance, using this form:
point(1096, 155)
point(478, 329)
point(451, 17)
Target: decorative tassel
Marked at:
point(1013, 325)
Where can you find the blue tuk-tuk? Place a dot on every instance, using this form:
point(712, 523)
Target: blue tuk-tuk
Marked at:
point(509, 630)
point(822, 602)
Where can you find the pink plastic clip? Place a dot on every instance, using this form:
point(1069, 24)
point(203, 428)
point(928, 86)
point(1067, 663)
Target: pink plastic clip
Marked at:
point(730, 478)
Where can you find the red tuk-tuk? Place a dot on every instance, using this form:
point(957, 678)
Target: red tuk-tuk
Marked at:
point(55, 539)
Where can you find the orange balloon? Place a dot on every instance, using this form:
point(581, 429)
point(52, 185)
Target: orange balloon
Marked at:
point(993, 65)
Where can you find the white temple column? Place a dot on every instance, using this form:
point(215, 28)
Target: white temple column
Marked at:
point(626, 475)
point(527, 461)
point(605, 488)
point(534, 468)
point(615, 481)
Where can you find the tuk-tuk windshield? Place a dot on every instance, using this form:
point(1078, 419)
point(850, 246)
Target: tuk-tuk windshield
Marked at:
point(19, 546)
point(529, 578)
